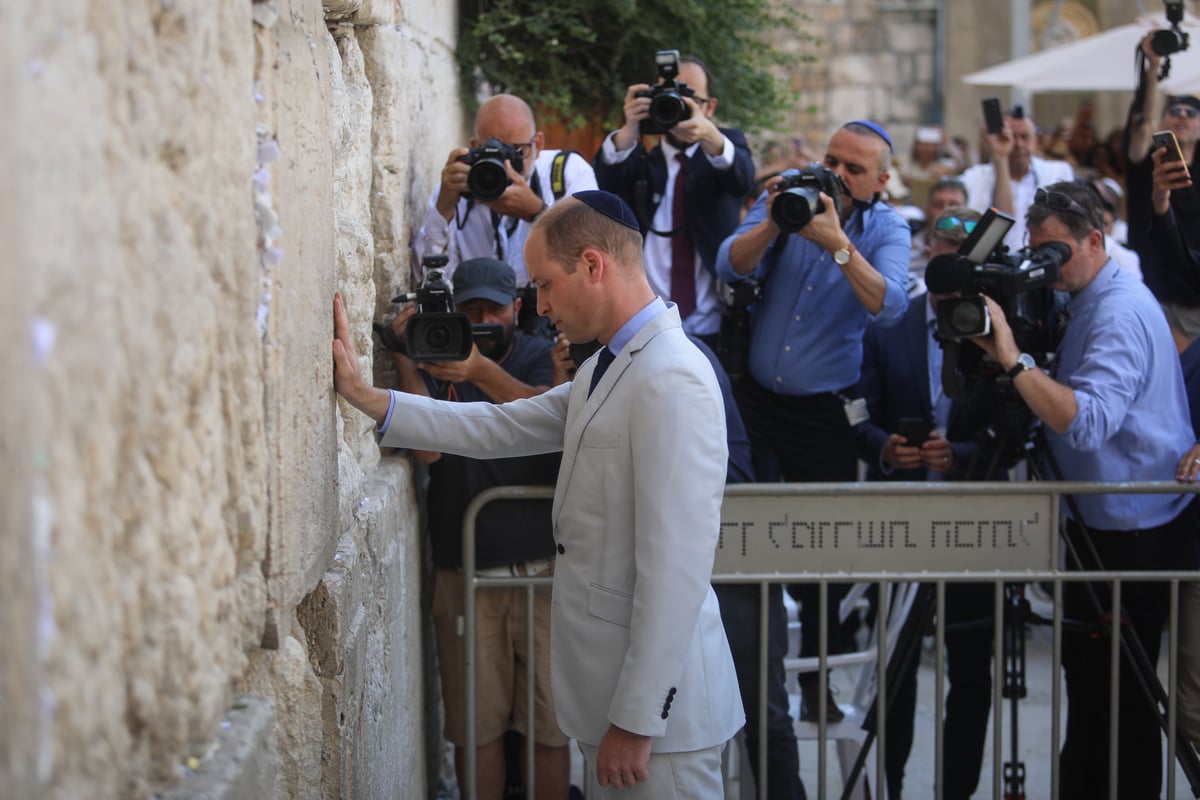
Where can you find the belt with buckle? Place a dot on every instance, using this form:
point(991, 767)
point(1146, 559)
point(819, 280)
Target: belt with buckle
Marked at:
point(522, 569)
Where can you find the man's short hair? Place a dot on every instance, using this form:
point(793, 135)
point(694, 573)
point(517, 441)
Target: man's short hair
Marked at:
point(951, 224)
point(945, 185)
point(708, 76)
point(1082, 215)
point(571, 226)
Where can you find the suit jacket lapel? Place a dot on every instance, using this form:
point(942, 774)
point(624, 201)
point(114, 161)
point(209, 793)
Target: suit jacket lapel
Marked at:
point(582, 408)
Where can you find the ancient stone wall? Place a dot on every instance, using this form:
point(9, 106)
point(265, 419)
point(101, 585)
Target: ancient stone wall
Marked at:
point(188, 511)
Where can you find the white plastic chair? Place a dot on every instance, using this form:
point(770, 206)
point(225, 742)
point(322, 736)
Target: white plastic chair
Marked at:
point(848, 732)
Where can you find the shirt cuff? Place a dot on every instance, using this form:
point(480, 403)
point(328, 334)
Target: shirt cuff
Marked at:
point(609, 153)
point(387, 420)
point(723, 160)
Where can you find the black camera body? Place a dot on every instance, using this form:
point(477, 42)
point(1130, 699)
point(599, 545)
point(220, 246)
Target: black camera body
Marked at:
point(667, 108)
point(733, 337)
point(1019, 282)
point(1169, 41)
point(799, 198)
point(488, 178)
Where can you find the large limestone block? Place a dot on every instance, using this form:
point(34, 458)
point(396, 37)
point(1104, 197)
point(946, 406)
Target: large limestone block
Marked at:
point(295, 77)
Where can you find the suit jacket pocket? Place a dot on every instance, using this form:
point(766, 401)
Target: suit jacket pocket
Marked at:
point(610, 605)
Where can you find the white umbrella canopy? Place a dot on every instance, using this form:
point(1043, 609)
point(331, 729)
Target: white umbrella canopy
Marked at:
point(1097, 63)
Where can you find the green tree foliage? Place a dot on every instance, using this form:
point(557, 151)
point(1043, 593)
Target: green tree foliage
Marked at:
point(573, 58)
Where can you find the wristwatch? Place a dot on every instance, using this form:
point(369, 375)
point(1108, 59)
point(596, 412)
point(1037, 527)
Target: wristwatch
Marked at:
point(841, 256)
point(1024, 362)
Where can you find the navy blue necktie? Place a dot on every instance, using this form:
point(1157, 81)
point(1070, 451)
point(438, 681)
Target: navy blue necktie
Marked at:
point(602, 361)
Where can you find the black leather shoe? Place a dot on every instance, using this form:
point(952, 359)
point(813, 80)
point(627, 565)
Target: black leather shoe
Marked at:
point(810, 699)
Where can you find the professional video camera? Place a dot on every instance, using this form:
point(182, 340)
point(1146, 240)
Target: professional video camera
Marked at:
point(436, 332)
point(1168, 41)
point(1019, 282)
point(667, 108)
point(799, 198)
point(733, 337)
point(488, 178)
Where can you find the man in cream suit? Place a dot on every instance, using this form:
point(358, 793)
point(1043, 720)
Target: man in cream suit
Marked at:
point(641, 670)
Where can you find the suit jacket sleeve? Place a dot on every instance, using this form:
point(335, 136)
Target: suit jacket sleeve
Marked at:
point(679, 460)
point(480, 430)
point(619, 177)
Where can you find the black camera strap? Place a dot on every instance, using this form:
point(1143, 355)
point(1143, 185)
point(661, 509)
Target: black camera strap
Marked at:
point(535, 186)
point(641, 196)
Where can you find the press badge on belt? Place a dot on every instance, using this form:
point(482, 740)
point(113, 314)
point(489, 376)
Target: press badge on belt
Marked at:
point(856, 410)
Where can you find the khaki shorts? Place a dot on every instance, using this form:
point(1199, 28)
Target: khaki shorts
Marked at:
point(500, 658)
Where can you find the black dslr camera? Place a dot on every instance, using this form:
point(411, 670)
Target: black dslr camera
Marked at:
point(1019, 282)
point(799, 198)
point(733, 337)
point(1171, 40)
point(667, 108)
point(488, 178)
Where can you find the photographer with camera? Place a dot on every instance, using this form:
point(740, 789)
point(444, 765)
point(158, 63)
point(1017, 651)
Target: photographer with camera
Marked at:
point(514, 537)
point(1115, 409)
point(686, 191)
point(829, 257)
point(491, 192)
point(917, 433)
point(1164, 219)
point(1009, 182)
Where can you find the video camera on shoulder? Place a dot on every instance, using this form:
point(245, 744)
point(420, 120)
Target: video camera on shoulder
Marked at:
point(488, 178)
point(667, 108)
point(1019, 282)
point(437, 332)
point(799, 197)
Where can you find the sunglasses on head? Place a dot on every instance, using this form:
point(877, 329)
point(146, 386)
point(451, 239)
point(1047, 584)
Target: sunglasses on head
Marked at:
point(1181, 110)
point(950, 223)
point(1057, 201)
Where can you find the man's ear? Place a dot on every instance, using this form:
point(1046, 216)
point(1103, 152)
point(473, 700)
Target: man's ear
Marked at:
point(712, 106)
point(594, 263)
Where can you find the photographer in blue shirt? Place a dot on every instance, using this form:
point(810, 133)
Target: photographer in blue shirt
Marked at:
point(822, 282)
point(1114, 409)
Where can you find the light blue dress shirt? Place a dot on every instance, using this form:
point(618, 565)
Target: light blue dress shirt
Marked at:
point(806, 332)
point(1132, 421)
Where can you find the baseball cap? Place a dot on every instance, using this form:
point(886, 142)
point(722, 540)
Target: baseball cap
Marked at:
point(485, 278)
point(1183, 99)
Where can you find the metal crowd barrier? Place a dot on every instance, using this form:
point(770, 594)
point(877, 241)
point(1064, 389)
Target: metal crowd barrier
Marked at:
point(879, 533)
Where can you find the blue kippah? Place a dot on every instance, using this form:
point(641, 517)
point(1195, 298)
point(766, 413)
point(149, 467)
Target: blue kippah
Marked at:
point(875, 128)
point(610, 206)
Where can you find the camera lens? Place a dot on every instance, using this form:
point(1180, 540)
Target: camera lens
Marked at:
point(487, 179)
point(793, 208)
point(668, 110)
point(1166, 42)
point(961, 317)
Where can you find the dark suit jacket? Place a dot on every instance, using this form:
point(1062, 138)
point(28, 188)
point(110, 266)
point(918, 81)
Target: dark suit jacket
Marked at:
point(895, 384)
point(714, 197)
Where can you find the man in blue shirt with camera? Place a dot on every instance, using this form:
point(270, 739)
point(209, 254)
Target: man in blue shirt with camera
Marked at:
point(1114, 409)
point(821, 285)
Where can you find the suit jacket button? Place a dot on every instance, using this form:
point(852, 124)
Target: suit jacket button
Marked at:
point(665, 715)
point(561, 549)
point(671, 692)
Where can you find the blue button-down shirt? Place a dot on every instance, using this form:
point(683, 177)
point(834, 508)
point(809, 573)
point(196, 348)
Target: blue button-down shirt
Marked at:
point(806, 332)
point(1132, 421)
